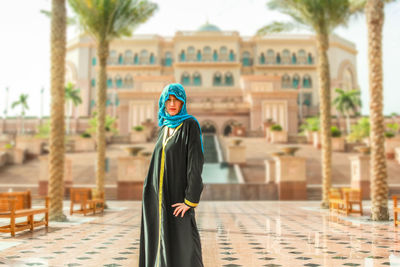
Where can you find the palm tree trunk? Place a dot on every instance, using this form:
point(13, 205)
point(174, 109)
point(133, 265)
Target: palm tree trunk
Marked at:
point(379, 185)
point(348, 123)
point(57, 127)
point(69, 117)
point(325, 115)
point(102, 54)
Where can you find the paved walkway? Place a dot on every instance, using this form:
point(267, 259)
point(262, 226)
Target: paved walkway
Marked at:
point(232, 233)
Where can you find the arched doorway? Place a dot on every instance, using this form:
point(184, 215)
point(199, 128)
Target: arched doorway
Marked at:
point(228, 127)
point(208, 127)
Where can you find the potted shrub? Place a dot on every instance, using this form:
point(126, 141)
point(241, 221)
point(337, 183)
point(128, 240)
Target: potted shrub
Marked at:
point(391, 140)
point(84, 142)
point(109, 126)
point(138, 134)
point(338, 142)
point(278, 135)
point(309, 127)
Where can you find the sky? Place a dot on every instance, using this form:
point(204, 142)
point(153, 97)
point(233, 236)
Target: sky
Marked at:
point(25, 43)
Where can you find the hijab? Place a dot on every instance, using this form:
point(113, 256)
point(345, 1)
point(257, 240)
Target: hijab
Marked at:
point(164, 118)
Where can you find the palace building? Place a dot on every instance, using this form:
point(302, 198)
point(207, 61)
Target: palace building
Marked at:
point(228, 78)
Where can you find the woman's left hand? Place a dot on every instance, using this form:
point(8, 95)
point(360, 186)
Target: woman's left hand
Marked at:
point(180, 207)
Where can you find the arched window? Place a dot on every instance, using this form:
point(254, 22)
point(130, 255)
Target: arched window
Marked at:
point(285, 81)
point(94, 61)
point(207, 53)
point(93, 82)
point(168, 59)
point(262, 58)
point(246, 59)
point(278, 58)
point(228, 79)
point(307, 81)
point(198, 56)
point(185, 80)
point(217, 79)
point(109, 82)
point(191, 53)
point(144, 57)
point(120, 59)
point(302, 56)
point(182, 56)
point(310, 59)
point(118, 81)
point(116, 100)
point(128, 82)
point(271, 56)
point(296, 81)
point(231, 56)
point(92, 103)
point(152, 58)
point(223, 52)
point(113, 57)
point(294, 59)
point(196, 79)
point(128, 57)
point(215, 55)
point(286, 56)
point(136, 59)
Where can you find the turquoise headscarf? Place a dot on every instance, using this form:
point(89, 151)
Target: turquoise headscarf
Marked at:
point(164, 118)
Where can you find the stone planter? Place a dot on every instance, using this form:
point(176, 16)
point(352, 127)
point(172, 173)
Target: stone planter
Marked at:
point(44, 175)
point(138, 137)
point(82, 144)
point(397, 152)
point(390, 145)
point(236, 154)
point(32, 145)
point(317, 140)
point(132, 171)
point(309, 136)
point(338, 144)
point(279, 137)
point(360, 174)
point(290, 174)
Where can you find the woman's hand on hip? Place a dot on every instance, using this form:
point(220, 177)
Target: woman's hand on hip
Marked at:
point(180, 207)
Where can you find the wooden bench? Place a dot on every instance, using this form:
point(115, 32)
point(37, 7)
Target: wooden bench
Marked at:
point(396, 210)
point(84, 198)
point(343, 200)
point(19, 204)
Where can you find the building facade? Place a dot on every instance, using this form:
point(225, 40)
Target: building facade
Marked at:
point(228, 78)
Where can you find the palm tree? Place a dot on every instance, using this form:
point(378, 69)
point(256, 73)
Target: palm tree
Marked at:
point(106, 20)
point(379, 184)
point(56, 154)
point(347, 101)
point(72, 98)
point(22, 101)
point(322, 17)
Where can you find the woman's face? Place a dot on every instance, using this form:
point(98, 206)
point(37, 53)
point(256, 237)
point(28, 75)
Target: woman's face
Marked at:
point(173, 105)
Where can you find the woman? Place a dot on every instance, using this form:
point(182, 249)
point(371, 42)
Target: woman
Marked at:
point(172, 189)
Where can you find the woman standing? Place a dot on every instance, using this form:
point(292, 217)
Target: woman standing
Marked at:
point(172, 189)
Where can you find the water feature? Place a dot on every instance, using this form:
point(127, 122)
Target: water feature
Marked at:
point(215, 171)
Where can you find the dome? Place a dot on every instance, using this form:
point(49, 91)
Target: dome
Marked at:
point(207, 27)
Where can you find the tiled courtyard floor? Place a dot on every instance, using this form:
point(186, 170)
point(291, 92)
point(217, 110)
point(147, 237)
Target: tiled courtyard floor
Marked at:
point(232, 234)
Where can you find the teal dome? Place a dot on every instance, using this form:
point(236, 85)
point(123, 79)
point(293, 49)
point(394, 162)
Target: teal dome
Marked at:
point(208, 28)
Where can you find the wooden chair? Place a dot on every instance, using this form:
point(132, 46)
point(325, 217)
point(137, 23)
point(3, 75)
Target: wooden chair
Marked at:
point(19, 204)
point(84, 198)
point(396, 210)
point(343, 200)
